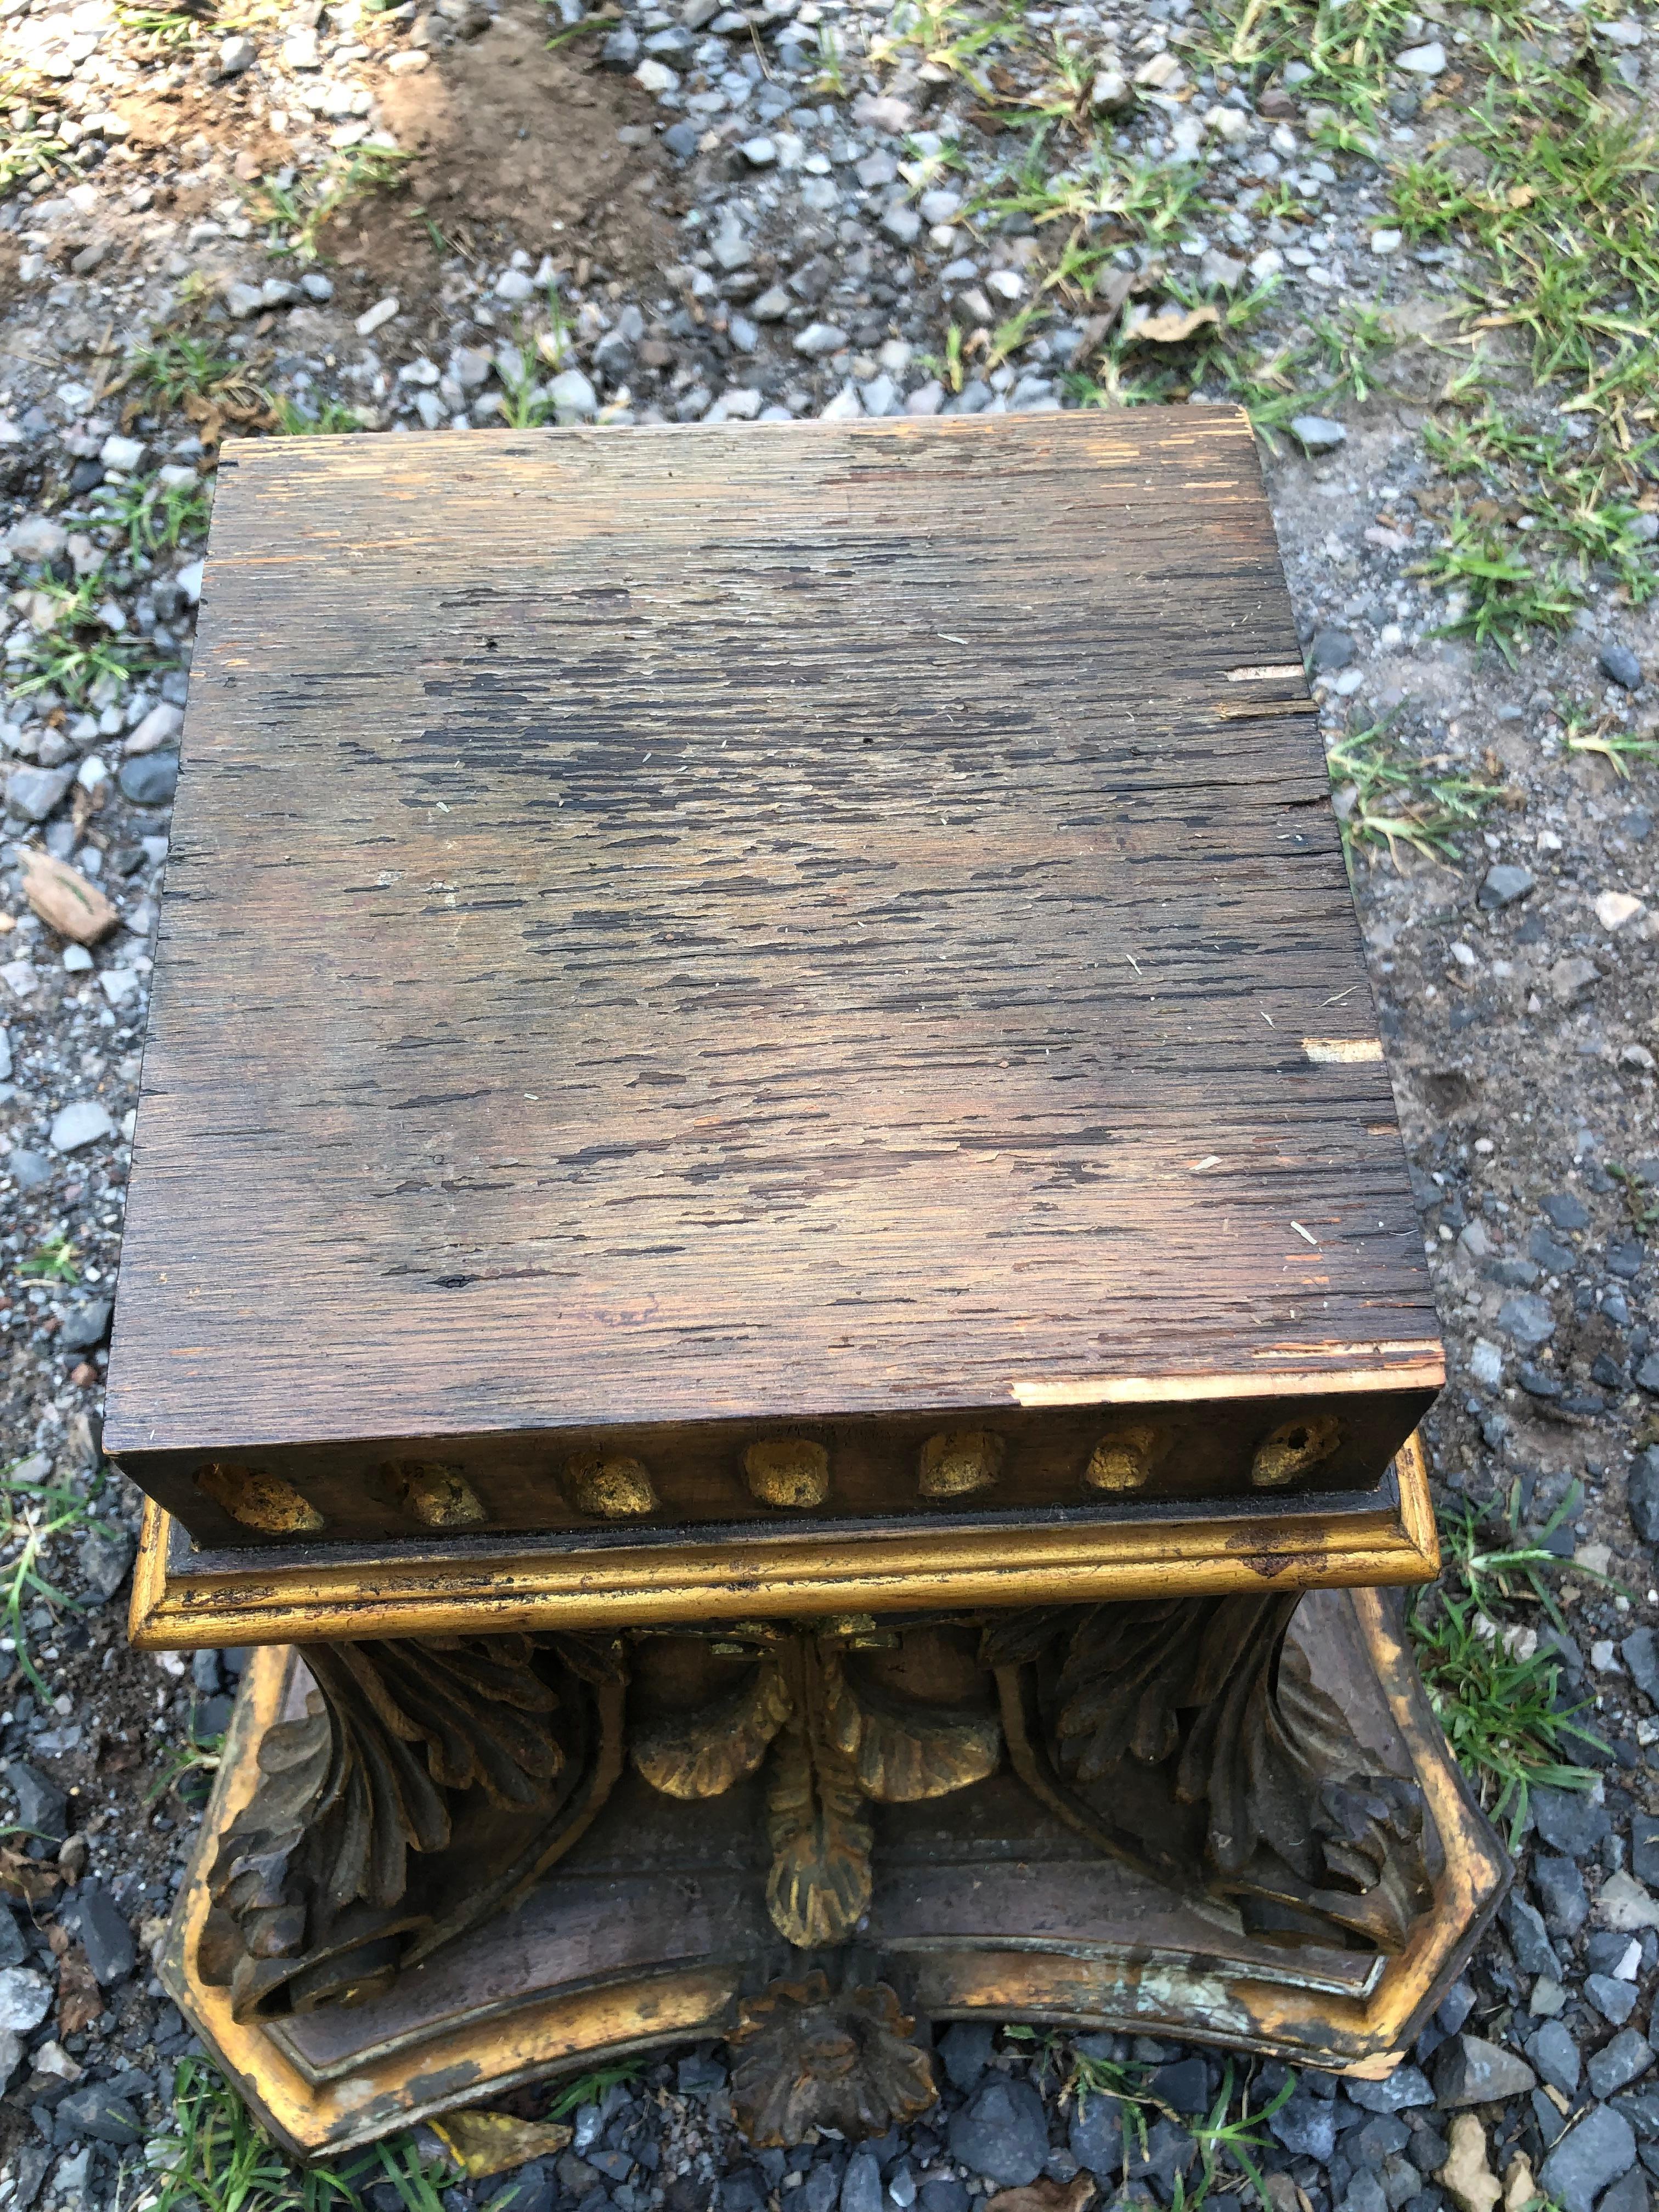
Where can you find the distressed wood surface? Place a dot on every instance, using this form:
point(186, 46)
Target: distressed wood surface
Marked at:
point(831, 923)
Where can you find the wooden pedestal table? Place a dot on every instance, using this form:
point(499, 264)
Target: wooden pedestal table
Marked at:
point(769, 1263)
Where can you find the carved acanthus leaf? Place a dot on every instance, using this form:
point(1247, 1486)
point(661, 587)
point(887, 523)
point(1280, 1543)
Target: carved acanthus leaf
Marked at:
point(820, 1883)
point(804, 2059)
point(703, 1754)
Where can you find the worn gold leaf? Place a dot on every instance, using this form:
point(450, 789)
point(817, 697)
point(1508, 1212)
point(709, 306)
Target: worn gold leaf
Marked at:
point(702, 1754)
point(907, 1754)
point(482, 2143)
point(820, 1886)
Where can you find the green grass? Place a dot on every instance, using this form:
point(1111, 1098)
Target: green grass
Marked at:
point(1226, 2138)
point(185, 1770)
point(156, 518)
point(945, 35)
point(1347, 44)
point(77, 653)
point(1536, 167)
point(1604, 737)
point(332, 419)
point(1503, 1714)
point(216, 2157)
point(1387, 797)
point(29, 144)
point(1497, 596)
point(296, 215)
point(166, 29)
point(54, 1262)
point(34, 1518)
point(589, 2088)
point(176, 367)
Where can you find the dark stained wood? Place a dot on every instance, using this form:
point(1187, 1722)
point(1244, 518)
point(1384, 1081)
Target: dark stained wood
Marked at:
point(673, 935)
point(650, 1931)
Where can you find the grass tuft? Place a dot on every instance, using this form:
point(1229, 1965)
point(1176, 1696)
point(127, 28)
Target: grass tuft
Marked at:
point(1495, 1690)
point(1387, 797)
point(34, 1518)
point(216, 2157)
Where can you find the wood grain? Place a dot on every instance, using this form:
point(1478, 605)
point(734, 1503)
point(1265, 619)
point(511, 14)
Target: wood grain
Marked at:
point(820, 924)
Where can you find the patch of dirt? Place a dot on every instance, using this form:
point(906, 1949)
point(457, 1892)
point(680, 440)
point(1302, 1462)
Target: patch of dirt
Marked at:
point(511, 142)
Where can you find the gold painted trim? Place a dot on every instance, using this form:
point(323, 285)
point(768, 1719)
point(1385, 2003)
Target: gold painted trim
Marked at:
point(1362, 2033)
point(744, 1579)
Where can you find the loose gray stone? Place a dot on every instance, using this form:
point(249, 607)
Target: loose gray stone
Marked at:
point(24, 1999)
point(83, 1122)
point(85, 1325)
point(1318, 433)
point(1620, 2063)
point(42, 1808)
point(1555, 2055)
point(104, 1561)
point(1423, 61)
point(1640, 1653)
point(1306, 2125)
point(1620, 666)
point(1534, 1952)
point(1582, 2164)
point(13, 1951)
point(1366, 2193)
point(1565, 1209)
point(1330, 649)
point(1641, 1490)
point(1469, 2070)
point(1569, 980)
point(150, 780)
point(819, 340)
point(862, 2190)
point(1646, 1377)
point(573, 397)
point(29, 1170)
point(1097, 2136)
point(97, 2111)
point(1630, 2193)
point(966, 2049)
point(1502, 885)
point(1528, 1319)
point(1615, 2000)
point(92, 1915)
point(36, 793)
point(1001, 2133)
point(1566, 1819)
point(1560, 1888)
point(1398, 2092)
point(235, 55)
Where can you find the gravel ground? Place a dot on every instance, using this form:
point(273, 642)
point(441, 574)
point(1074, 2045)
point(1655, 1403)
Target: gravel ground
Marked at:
point(278, 219)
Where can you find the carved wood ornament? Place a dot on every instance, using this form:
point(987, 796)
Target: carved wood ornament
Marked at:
point(428, 1784)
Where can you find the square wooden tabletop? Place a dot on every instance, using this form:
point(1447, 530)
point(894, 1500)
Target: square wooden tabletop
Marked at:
point(792, 925)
